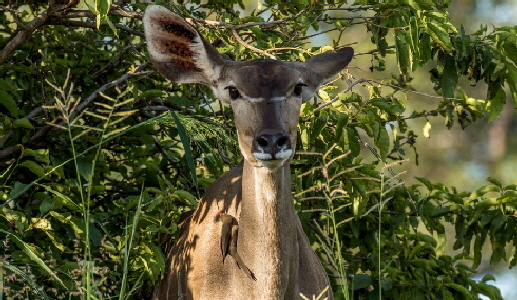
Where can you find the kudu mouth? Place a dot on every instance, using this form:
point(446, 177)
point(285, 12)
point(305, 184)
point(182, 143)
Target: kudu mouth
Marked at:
point(268, 148)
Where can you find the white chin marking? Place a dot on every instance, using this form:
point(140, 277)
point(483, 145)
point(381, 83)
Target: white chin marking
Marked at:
point(262, 156)
point(281, 155)
point(284, 154)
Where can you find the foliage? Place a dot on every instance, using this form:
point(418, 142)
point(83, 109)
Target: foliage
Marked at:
point(100, 154)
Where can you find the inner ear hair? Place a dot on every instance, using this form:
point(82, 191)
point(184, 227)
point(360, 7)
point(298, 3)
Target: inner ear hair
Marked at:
point(177, 49)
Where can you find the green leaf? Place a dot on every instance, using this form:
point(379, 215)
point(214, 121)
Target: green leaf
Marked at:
point(511, 49)
point(62, 198)
point(497, 255)
point(424, 263)
point(27, 249)
point(403, 55)
point(5, 85)
point(482, 191)
point(496, 103)
point(179, 100)
point(154, 93)
point(447, 295)
point(498, 222)
point(34, 167)
point(439, 35)
point(362, 281)
point(23, 123)
point(102, 8)
point(426, 182)
point(488, 277)
point(56, 240)
point(495, 182)
point(112, 26)
point(85, 167)
point(461, 289)
point(414, 34)
point(490, 291)
point(318, 126)
point(383, 142)
point(450, 76)
point(188, 197)
point(511, 80)
point(186, 146)
point(425, 48)
point(439, 212)
point(8, 101)
point(17, 189)
point(343, 120)
point(351, 142)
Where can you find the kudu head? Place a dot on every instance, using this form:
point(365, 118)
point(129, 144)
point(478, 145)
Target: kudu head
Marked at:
point(265, 95)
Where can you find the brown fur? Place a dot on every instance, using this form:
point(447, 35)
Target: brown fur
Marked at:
point(257, 193)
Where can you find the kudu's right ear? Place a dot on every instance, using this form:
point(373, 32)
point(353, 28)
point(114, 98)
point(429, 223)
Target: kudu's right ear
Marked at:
point(177, 50)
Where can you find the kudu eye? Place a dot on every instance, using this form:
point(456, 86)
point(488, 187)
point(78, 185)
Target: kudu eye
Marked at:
point(298, 90)
point(233, 92)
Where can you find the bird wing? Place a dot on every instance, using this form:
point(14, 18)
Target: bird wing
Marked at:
point(226, 234)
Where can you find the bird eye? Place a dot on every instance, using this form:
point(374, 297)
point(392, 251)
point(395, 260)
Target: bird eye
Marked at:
point(298, 89)
point(233, 92)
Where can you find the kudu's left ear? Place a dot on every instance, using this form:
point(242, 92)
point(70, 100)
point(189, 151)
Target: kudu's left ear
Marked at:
point(328, 64)
point(177, 50)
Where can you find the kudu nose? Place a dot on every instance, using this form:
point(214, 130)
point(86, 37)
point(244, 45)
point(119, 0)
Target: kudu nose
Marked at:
point(271, 147)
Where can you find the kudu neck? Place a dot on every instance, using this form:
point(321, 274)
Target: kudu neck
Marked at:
point(267, 229)
point(263, 187)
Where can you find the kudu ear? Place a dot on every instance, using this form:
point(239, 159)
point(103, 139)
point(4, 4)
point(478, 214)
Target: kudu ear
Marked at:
point(328, 64)
point(177, 50)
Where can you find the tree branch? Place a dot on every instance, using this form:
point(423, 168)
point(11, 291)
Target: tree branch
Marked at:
point(360, 7)
point(39, 136)
point(346, 90)
point(238, 38)
point(79, 108)
point(89, 14)
point(24, 34)
point(92, 25)
point(380, 83)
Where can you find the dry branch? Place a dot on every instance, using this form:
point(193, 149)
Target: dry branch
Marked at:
point(79, 108)
point(238, 38)
point(89, 14)
point(24, 34)
point(92, 25)
point(38, 138)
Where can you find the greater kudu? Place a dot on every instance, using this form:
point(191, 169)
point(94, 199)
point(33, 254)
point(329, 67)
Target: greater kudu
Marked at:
point(266, 96)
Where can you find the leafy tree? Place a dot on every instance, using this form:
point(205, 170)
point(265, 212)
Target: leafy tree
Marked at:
point(100, 154)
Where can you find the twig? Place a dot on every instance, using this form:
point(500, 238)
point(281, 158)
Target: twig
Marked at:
point(380, 83)
point(348, 18)
point(92, 25)
point(346, 90)
point(232, 26)
point(92, 15)
point(360, 7)
point(370, 23)
point(289, 48)
point(39, 137)
point(79, 108)
point(238, 38)
point(312, 35)
point(411, 91)
point(372, 51)
point(25, 33)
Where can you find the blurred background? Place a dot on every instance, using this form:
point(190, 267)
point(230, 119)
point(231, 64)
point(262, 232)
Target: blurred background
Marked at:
point(465, 158)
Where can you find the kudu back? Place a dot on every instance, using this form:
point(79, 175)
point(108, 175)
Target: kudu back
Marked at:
point(248, 214)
